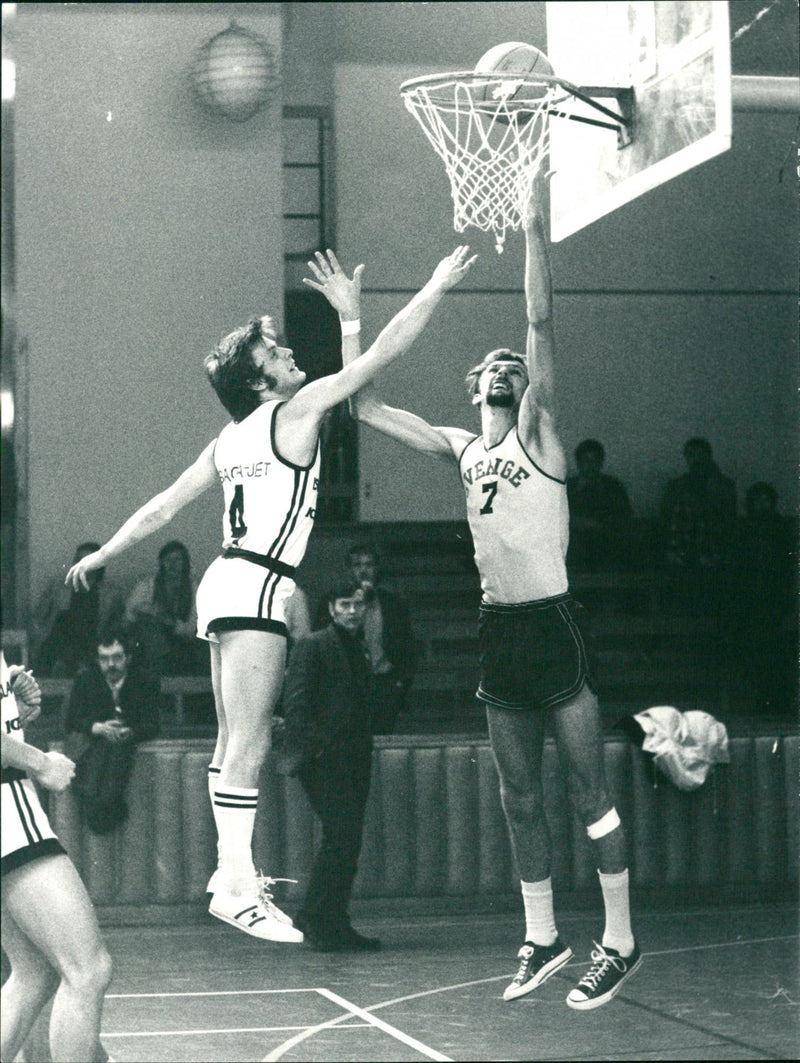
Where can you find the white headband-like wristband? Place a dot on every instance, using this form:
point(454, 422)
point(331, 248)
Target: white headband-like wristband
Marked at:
point(610, 821)
point(350, 328)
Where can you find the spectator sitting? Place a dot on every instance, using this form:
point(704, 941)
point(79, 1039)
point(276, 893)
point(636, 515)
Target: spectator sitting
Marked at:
point(65, 622)
point(600, 514)
point(113, 706)
point(161, 612)
point(387, 636)
point(764, 614)
point(698, 512)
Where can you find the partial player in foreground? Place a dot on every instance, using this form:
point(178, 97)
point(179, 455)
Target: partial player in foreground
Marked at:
point(267, 460)
point(532, 653)
point(50, 932)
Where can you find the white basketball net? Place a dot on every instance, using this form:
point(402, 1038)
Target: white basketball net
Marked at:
point(492, 145)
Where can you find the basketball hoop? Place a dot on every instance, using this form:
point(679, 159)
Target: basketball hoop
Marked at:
point(492, 133)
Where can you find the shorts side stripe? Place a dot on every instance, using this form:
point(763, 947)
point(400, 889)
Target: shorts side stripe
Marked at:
point(26, 815)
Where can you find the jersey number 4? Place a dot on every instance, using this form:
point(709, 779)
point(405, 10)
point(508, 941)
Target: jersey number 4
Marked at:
point(236, 513)
point(490, 490)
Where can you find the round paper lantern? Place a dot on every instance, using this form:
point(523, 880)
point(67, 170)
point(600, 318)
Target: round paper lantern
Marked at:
point(235, 73)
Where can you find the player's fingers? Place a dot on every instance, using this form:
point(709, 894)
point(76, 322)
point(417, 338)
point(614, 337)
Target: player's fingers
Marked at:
point(334, 261)
point(313, 284)
point(316, 270)
point(357, 272)
point(323, 263)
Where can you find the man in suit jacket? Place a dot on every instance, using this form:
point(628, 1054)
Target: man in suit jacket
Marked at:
point(327, 704)
point(388, 637)
point(112, 706)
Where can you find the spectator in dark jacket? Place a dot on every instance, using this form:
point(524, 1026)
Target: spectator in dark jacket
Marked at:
point(328, 745)
point(388, 637)
point(112, 707)
point(600, 514)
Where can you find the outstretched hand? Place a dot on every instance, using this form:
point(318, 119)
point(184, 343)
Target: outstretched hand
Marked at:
point(453, 268)
point(341, 291)
point(78, 575)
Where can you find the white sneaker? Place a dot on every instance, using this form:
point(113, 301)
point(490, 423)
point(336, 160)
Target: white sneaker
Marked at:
point(249, 912)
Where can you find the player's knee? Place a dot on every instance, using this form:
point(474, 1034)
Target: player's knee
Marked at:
point(521, 803)
point(92, 976)
point(590, 803)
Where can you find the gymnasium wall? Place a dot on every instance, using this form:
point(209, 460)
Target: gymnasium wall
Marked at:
point(675, 315)
point(146, 228)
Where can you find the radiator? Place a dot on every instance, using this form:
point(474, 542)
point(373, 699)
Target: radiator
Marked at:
point(435, 827)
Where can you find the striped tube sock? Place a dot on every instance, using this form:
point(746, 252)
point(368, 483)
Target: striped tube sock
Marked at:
point(213, 779)
point(540, 923)
point(235, 815)
point(616, 898)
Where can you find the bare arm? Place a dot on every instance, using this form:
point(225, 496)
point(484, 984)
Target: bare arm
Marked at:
point(537, 412)
point(150, 517)
point(408, 428)
point(52, 770)
point(321, 395)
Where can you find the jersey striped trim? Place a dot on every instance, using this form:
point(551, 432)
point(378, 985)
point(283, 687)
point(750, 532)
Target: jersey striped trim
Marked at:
point(538, 468)
point(301, 479)
point(20, 857)
point(277, 453)
point(26, 813)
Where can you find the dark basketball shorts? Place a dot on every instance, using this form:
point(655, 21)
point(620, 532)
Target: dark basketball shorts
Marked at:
point(532, 655)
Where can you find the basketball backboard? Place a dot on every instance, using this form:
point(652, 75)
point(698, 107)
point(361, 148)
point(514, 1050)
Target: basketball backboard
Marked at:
point(675, 54)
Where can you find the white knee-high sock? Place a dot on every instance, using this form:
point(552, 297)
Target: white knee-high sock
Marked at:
point(540, 923)
point(213, 779)
point(616, 898)
point(235, 815)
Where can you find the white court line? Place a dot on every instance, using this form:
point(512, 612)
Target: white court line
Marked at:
point(371, 1020)
point(194, 1033)
point(353, 1009)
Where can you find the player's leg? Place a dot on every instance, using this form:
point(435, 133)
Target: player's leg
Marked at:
point(580, 743)
point(49, 906)
point(517, 739)
point(214, 767)
point(251, 668)
point(26, 991)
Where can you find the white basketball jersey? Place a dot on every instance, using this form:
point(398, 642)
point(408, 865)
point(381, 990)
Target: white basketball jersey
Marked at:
point(10, 711)
point(519, 520)
point(270, 504)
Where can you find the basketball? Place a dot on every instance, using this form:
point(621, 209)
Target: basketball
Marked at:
point(513, 58)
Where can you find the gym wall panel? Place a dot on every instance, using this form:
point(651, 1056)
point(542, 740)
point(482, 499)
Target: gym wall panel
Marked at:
point(145, 229)
point(435, 828)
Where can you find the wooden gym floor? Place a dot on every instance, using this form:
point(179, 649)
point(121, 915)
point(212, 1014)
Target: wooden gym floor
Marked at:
point(716, 983)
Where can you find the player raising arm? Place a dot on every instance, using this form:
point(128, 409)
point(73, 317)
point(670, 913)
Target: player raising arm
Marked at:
point(533, 657)
point(267, 460)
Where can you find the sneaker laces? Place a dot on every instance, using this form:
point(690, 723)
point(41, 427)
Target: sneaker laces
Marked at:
point(265, 882)
point(601, 962)
point(524, 955)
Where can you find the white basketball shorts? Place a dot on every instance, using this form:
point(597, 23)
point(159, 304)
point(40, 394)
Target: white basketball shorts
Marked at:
point(239, 595)
point(26, 831)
